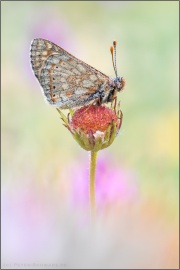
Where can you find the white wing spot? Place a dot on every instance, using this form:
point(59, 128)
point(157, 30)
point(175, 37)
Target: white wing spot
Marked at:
point(40, 42)
point(44, 53)
point(65, 86)
point(48, 45)
point(81, 68)
point(80, 91)
point(64, 98)
point(93, 77)
point(43, 58)
point(63, 80)
point(48, 66)
point(87, 83)
point(53, 60)
point(100, 77)
point(63, 57)
point(78, 80)
point(75, 71)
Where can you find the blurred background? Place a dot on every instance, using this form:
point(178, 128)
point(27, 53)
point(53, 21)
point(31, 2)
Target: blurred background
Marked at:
point(45, 209)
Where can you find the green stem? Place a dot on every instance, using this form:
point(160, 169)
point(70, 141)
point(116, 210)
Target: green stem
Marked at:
point(92, 184)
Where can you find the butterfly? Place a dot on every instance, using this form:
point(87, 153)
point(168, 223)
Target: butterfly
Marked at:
point(68, 82)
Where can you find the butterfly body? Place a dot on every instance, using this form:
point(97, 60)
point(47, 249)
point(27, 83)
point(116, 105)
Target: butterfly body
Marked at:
point(68, 82)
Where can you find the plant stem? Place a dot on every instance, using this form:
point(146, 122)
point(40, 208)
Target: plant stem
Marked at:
point(92, 184)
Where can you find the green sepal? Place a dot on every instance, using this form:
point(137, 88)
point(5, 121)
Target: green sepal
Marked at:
point(71, 112)
point(63, 117)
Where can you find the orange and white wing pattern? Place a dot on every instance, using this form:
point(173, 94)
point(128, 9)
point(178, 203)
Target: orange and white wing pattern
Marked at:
point(67, 82)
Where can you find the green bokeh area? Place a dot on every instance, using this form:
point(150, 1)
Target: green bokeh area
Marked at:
point(36, 147)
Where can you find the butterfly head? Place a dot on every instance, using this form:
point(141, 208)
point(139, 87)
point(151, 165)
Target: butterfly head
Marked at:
point(118, 82)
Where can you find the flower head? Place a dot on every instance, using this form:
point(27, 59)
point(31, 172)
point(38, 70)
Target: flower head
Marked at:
point(93, 119)
point(93, 127)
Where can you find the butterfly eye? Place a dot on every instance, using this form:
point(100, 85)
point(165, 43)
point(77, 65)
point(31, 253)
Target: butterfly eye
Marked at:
point(53, 78)
point(54, 87)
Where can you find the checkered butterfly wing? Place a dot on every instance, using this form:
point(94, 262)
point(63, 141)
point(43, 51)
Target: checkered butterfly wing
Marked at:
point(67, 82)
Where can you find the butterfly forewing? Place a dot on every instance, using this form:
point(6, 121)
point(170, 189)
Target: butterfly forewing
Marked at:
point(67, 82)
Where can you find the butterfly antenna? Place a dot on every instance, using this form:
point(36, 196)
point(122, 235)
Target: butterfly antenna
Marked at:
point(114, 45)
point(113, 53)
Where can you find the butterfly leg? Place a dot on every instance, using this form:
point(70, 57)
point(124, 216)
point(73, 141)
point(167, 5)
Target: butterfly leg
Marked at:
point(120, 117)
point(115, 103)
point(98, 101)
point(91, 104)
